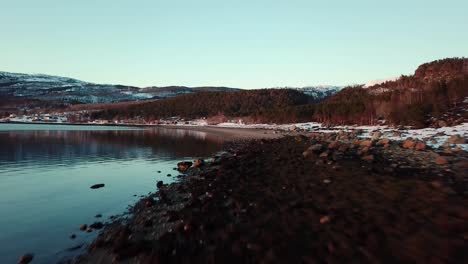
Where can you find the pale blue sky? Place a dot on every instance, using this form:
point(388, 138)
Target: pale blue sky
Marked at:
point(241, 43)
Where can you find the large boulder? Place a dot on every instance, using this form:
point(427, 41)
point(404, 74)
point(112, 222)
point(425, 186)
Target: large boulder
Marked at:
point(376, 135)
point(184, 166)
point(366, 143)
point(420, 146)
point(409, 143)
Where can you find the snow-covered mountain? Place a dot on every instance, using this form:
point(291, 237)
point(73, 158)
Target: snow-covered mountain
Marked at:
point(62, 89)
point(319, 92)
point(54, 88)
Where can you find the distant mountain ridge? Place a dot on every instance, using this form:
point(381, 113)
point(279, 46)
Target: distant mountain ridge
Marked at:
point(63, 89)
point(51, 88)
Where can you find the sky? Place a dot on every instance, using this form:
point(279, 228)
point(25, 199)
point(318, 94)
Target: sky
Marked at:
point(241, 43)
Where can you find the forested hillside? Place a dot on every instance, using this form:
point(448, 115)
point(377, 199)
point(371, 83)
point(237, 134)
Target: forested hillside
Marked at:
point(267, 105)
point(436, 92)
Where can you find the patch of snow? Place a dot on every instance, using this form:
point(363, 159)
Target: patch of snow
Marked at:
point(375, 82)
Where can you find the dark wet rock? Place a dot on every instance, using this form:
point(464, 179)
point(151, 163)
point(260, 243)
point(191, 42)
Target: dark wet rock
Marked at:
point(159, 184)
point(26, 258)
point(89, 230)
point(97, 186)
point(198, 163)
point(368, 158)
point(72, 236)
point(83, 227)
point(159, 171)
point(169, 175)
point(98, 216)
point(75, 247)
point(184, 166)
point(97, 225)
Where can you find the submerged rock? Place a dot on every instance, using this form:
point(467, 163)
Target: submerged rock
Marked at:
point(97, 186)
point(159, 184)
point(83, 227)
point(97, 225)
point(25, 259)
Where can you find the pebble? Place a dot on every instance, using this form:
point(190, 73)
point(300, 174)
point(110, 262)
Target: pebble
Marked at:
point(25, 259)
point(324, 219)
point(83, 227)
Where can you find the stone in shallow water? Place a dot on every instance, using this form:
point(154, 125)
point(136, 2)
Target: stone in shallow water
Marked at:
point(25, 259)
point(97, 186)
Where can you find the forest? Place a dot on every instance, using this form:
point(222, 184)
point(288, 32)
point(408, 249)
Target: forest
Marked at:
point(435, 89)
point(416, 100)
point(263, 105)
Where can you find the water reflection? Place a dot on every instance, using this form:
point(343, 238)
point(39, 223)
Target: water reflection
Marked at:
point(45, 177)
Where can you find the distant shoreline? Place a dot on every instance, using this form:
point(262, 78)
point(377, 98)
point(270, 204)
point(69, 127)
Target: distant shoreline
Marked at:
point(227, 133)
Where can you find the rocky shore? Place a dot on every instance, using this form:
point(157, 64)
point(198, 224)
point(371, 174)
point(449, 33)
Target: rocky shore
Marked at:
point(311, 198)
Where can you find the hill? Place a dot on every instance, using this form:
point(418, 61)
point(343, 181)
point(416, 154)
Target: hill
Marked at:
point(265, 105)
point(435, 93)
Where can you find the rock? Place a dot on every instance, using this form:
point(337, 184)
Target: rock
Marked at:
point(159, 171)
point(442, 123)
point(363, 150)
point(26, 258)
point(198, 163)
point(315, 148)
point(159, 184)
point(324, 219)
point(409, 144)
point(462, 164)
point(376, 135)
point(97, 186)
point(396, 134)
point(420, 146)
point(436, 184)
point(334, 145)
point(368, 158)
point(98, 216)
point(184, 165)
point(366, 143)
point(307, 153)
point(324, 155)
point(83, 227)
point(384, 141)
point(300, 138)
point(149, 202)
point(343, 148)
point(456, 139)
point(441, 161)
point(327, 181)
point(72, 236)
point(97, 225)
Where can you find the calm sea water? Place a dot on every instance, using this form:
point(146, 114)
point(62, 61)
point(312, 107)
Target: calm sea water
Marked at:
point(46, 172)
